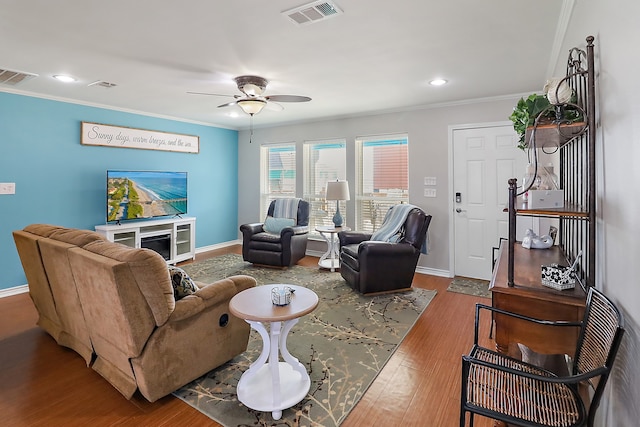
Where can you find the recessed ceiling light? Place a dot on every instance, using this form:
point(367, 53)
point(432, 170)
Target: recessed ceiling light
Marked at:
point(63, 78)
point(437, 82)
point(234, 114)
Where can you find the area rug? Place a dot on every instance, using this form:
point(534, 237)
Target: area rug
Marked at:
point(344, 344)
point(465, 285)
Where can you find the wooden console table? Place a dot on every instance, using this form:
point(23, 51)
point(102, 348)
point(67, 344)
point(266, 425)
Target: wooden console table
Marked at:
point(530, 298)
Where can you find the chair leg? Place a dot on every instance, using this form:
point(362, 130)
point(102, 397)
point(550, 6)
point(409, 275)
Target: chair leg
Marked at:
point(463, 416)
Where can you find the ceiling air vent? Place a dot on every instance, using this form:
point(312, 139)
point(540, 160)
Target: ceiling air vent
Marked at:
point(103, 84)
point(12, 77)
point(313, 12)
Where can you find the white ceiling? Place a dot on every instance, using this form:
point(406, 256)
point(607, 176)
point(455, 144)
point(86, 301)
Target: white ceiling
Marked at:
point(376, 56)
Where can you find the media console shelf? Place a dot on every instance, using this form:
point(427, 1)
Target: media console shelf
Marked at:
point(173, 238)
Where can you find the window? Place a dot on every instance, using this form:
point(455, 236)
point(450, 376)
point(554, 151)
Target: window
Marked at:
point(323, 161)
point(382, 177)
point(278, 173)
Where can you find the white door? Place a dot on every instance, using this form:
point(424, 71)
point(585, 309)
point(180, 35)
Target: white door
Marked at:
point(484, 158)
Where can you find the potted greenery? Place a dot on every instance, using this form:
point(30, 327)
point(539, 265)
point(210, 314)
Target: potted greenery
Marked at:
point(524, 115)
point(567, 116)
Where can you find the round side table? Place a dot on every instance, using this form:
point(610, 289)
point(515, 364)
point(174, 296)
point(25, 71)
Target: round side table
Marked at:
point(331, 259)
point(271, 385)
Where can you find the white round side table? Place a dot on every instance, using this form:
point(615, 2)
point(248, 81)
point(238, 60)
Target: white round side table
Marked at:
point(272, 386)
point(331, 259)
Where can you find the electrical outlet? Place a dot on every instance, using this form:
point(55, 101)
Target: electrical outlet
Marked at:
point(7, 188)
point(429, 192)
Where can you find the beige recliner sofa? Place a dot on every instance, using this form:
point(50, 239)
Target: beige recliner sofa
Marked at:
point(140, 337)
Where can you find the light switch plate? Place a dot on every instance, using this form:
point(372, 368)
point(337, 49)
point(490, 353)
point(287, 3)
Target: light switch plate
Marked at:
point(429, 180)
point(429, 192)
point(7, 188)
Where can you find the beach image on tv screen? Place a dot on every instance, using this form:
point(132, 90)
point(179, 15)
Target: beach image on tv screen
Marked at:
point(133, 195)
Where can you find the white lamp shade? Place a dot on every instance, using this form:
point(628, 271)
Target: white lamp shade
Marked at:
point(337, 190)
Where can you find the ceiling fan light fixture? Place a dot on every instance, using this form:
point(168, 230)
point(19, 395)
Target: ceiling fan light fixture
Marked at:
point(252, 90)
point(251, 106)
point(251, 85)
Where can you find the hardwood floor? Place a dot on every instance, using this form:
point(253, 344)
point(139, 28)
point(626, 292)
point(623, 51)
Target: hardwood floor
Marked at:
point(44, 384)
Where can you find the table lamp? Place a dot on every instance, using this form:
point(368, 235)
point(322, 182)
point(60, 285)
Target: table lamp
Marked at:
point(337, 190)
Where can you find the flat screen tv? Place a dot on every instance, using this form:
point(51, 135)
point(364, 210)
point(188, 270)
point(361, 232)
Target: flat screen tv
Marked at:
point(145, 194)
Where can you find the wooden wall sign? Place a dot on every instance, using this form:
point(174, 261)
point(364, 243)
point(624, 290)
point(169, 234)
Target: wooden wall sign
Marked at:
point(125, 137)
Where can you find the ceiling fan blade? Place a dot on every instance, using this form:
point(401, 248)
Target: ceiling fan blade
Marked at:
point(273, 106)
point(213, 94)
point(228, 104)
point(287, 98)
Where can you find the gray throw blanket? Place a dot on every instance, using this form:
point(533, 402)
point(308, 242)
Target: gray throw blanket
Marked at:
point(286, 208)
point(392, 224)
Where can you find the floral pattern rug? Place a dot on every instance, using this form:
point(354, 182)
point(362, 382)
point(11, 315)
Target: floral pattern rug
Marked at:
point(343, 344)
point(466, 285)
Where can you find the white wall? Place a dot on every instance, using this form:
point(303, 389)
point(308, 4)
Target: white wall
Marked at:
point(428, 156)
point(616, 31)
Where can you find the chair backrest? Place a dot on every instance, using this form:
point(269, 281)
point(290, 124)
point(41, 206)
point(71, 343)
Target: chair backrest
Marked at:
point(125, 294)
point(415, 228)
point(598, 343)
point(302, 213)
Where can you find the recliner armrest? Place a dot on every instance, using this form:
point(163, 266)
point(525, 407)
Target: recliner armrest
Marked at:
point(352, 237)
point(373, 247)
point(253, 228)
point(298, 229)
point(210, 294)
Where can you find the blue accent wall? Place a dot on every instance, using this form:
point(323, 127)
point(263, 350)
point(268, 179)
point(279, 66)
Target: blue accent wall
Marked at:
point(61, 182)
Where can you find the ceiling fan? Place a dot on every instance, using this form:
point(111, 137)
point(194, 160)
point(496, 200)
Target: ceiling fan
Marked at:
point(253, 102)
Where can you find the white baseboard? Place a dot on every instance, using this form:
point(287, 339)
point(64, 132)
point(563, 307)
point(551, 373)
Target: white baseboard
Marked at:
point(433, 272)
point(314, 253)
point(16, 290)
point(218, 246)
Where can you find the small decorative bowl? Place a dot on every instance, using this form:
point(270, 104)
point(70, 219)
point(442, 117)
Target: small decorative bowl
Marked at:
point(281, 296)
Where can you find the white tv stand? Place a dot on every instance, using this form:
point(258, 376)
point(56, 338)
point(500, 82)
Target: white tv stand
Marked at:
point(173, 238)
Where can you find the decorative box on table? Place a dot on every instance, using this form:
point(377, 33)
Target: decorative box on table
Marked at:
point(558, 277)
point(540, 199)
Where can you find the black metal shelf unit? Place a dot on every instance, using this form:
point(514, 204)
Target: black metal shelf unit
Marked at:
point(577, 230)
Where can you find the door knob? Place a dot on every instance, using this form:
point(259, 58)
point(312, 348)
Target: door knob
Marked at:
point(460, 210)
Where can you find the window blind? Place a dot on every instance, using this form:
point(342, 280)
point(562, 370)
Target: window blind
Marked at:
point(278, 173)
point(323, 161)
point(382, 178)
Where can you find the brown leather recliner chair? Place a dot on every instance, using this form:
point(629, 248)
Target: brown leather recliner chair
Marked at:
point(281, 249)
point(376, 266)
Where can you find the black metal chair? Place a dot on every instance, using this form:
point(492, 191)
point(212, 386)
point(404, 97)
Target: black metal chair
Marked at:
point(283, 247)
point(506, 389)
